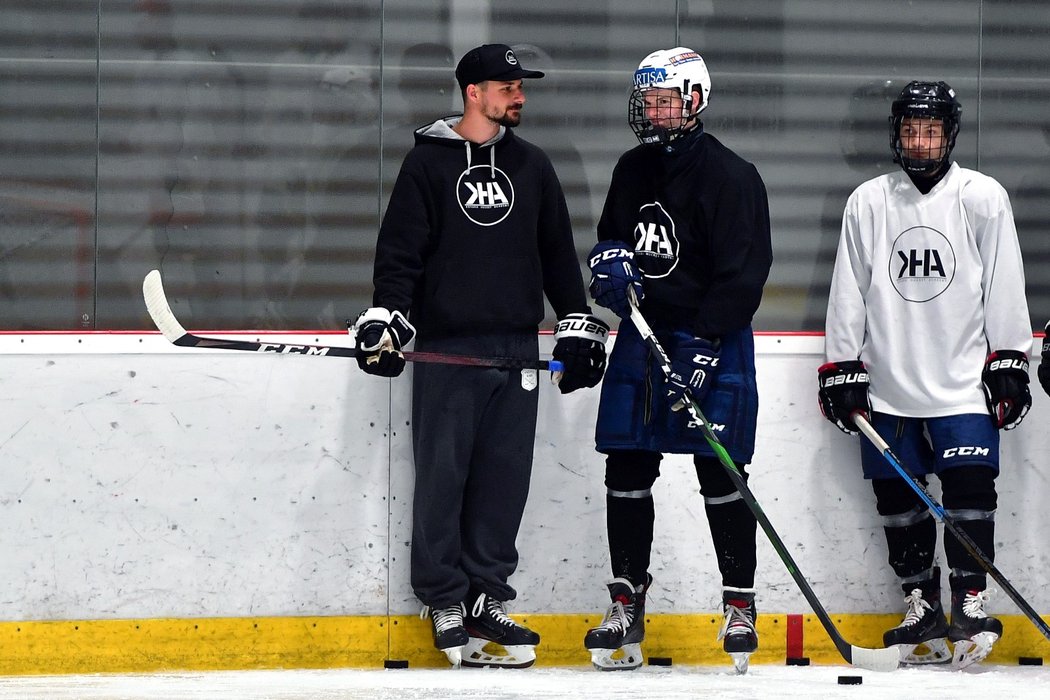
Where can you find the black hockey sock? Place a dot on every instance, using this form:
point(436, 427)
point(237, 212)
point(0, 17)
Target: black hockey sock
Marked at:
point(630, 527)
point(970, 501)
point(730, 520)
point(911, 533)
point(629, 478)
point(733, 527)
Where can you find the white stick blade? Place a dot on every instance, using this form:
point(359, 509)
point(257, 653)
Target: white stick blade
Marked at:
point(887, 659)
point(159, 311)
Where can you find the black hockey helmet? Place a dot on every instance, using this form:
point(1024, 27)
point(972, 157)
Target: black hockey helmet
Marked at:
point(933, 101)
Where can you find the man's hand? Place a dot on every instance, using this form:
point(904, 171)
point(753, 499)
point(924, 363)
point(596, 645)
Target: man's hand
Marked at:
point(580, 347)
point(380, 336)
point(843, 391)
point(614, 277)
point(1005, 380)
point(693, 367)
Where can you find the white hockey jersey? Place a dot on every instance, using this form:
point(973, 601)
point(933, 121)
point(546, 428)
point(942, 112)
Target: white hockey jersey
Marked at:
point(924, 287)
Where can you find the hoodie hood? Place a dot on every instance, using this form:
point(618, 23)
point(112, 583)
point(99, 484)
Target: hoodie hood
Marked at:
point(440, 132)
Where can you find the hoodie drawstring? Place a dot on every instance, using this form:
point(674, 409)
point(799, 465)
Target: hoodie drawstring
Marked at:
point(492, 158)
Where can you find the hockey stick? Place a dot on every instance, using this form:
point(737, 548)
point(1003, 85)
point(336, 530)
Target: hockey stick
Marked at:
point(938, 511)
point(872, 659)
point(169, 326)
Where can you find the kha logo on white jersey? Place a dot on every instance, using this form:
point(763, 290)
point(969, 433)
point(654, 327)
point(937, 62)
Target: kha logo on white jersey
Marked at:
point(486, 200)
point(656, 245)
point(921, 264)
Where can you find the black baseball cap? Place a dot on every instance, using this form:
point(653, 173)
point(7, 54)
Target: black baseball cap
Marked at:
point(491, 62)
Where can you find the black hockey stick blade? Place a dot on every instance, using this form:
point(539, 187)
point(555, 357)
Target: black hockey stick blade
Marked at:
point(938, 511)
point(169, 326)
point(886, 659)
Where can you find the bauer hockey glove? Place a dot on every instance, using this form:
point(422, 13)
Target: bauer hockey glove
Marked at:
point(843, 391)
point(614, 276)
point(1044, 366)
point(1005, 380)
point(579, 344)
point(693, 366)
point(380, 335)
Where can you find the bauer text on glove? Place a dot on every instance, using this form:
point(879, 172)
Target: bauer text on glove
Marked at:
point(843, 391)
point(380, 336)
point(1005, 380)
point(693, 367)
point(614, 277)
point(579, 344)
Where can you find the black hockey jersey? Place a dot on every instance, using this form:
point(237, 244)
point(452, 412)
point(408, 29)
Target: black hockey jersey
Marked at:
point(698, 221)
point(474, 236)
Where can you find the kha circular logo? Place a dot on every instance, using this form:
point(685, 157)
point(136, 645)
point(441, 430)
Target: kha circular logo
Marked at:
point(486, 200)
point(656, 245)
point(922, 264)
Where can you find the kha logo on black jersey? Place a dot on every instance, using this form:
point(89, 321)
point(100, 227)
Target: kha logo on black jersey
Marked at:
point(486, 200)
point(656, 245)
point(922, 264)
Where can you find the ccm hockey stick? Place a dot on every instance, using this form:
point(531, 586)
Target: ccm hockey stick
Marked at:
point(938, 511)
point(872, 659)
point(164, 319)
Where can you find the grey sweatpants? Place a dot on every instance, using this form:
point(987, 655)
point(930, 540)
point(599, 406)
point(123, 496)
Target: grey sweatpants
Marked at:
point(473, 430)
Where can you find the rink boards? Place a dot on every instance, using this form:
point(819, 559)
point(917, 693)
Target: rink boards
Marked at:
point(179, 508)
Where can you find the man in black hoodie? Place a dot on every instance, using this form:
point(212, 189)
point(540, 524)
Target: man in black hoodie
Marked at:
point(475, 234)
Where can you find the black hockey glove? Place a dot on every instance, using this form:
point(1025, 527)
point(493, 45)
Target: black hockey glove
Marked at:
point(380, 335)
point(580, 346)
point(1044, 365)
point(1005, 380)
point(843, 391)
point(694, 363)
point(614, 276)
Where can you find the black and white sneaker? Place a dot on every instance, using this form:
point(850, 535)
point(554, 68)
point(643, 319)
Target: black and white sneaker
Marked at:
point(920, 637)
point(973, 631)
point(488, 624)
point(450, 636)
point(738, 634)
point(615, 644)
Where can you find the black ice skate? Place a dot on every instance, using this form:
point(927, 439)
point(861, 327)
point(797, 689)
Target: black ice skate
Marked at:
point(920, 637)
point(738, 635)
point(615, 644)
point(489, 626)
point(450, 636)
point(973, 631)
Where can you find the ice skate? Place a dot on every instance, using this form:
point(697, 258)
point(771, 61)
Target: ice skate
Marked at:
point(496, 641)
point(615, 644)
point(450, 636)
point(738, 635)
point(920, 637)
point(973, 631)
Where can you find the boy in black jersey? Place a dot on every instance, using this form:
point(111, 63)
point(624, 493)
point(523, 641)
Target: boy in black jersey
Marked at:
point(685, 230)
point(475, 235)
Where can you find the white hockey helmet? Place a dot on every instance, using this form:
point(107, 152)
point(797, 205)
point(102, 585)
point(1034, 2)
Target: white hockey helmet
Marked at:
point(680, 69)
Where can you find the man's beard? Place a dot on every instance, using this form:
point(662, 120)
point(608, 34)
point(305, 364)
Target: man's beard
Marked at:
point(509, 118)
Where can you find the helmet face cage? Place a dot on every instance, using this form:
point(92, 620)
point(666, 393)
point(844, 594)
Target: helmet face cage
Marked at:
point(925, 101)
point(677, 72)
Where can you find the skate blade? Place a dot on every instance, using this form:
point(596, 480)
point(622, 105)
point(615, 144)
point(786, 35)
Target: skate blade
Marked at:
point(455, 655)
point(976, 648)
point(740, 661)
point(932, 651)
point(626, 658)
point(484, 653)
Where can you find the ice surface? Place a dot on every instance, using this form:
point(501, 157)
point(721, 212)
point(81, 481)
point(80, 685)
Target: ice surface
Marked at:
point(762, 682)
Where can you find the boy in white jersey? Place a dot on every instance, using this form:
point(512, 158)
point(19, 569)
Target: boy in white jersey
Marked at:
point(927, 335)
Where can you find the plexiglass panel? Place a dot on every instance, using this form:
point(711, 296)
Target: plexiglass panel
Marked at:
point(248, 148)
